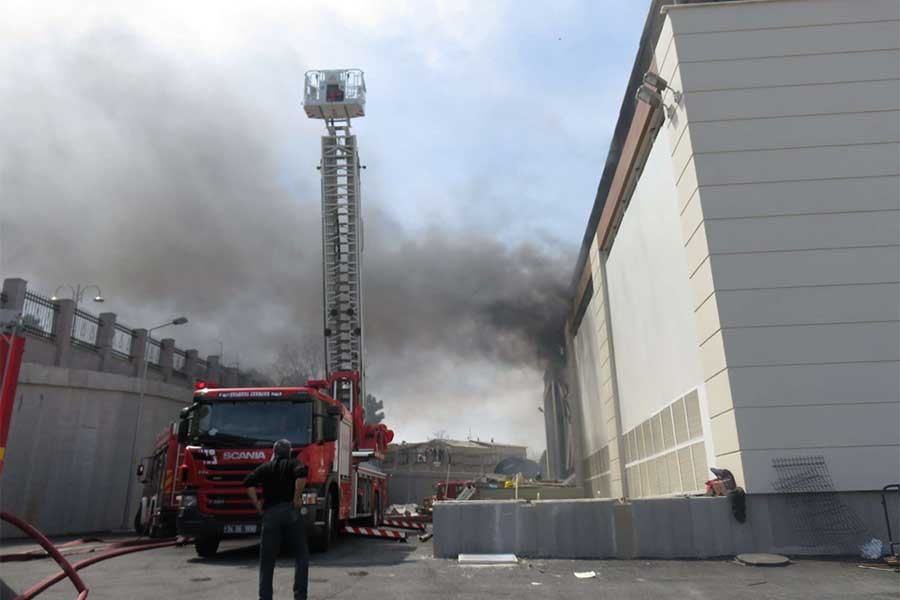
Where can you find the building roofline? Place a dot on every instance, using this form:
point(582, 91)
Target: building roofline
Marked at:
point(649, 36)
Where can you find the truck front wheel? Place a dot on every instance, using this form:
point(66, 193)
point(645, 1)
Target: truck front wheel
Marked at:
point(324, 537)
point(138, 526)
point(206, 547)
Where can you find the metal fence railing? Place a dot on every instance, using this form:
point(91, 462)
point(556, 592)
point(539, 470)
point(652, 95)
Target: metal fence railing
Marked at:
point(84, 329)
point(178, 359)
point(153, 351)
point(38, 315)
point(121, 341)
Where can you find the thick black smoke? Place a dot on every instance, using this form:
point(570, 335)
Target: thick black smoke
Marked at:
point(171, 187)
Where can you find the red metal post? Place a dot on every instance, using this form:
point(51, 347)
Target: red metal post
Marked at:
point(11, 349)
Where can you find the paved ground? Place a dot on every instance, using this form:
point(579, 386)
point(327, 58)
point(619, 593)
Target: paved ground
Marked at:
point(375, 569)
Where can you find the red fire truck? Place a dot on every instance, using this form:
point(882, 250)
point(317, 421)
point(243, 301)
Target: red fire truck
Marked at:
point(228, 432)
point(157, 473)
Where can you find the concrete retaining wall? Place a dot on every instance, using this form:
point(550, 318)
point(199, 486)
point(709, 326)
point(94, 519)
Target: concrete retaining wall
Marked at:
point(68, 462)
point(665, 528)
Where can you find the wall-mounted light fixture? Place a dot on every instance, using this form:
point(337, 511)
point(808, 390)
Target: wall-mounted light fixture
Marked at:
point(650, 92)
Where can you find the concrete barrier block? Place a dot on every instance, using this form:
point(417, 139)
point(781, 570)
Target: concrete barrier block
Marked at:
point(527, 537)
point(663, 528)
point(712, 525)
point(576, 528)
point(475, 527)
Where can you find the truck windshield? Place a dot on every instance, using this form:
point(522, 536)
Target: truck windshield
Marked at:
point(256, 423)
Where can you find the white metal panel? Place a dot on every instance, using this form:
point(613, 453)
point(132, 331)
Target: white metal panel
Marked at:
point(666, 52)
point(815, 385)
point(808, 305)
point(797, 197)
point(701, 284)
point(343, 449)
point(796, 131)
point(838, 266)
point(786, 41)
point(848, 97)
point(851, 468)
point(587, 352)
point(657, 356)
point(824, 162)
point(803, 232)
point(790, 70)
point(698, 18)
point(843, 425)
point(812, 344)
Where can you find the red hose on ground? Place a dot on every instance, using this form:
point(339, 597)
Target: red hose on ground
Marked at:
point(40, 538)
point(53, 579)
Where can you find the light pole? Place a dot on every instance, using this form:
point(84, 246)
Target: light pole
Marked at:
point(78, 292)
point(140, 407)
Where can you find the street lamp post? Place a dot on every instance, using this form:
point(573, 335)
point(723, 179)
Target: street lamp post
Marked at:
point(140, 408)
point(78, 292)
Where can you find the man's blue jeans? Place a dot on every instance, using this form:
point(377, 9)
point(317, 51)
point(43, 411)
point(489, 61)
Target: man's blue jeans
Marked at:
point(283, 522)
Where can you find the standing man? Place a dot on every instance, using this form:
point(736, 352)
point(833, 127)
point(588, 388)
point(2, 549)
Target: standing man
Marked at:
point(282, 480)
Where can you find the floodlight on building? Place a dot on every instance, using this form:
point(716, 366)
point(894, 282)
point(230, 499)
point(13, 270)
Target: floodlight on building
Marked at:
point(654, 80)
point(648, 95)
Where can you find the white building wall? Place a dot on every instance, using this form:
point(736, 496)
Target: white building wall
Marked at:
point(657, 357)
point(786, 151)
point(593, 354)
point(588, 356)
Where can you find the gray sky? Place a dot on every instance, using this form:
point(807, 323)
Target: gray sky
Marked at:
point(160, 150)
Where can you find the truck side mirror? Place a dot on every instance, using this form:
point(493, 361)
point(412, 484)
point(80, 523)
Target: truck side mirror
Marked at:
point(184, 424)
point(140, 470)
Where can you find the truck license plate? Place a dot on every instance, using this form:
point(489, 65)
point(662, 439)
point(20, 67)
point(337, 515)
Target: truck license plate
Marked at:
point(251, 528)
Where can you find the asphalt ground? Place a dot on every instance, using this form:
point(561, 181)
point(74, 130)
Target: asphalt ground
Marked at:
point(372, 569)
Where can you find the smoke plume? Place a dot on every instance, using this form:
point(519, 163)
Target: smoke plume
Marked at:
point(179, 193)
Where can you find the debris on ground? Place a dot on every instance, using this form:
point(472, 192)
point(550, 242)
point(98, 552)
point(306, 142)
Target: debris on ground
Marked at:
point(407, 510)
point(585, 574)
point(872, 550)
point(487, 559)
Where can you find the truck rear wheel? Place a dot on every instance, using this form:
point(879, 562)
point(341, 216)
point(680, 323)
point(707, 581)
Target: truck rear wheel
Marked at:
point(376, 511)
point(206, 547)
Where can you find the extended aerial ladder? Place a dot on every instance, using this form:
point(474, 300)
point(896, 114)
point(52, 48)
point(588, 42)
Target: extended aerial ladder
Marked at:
point(336, 96)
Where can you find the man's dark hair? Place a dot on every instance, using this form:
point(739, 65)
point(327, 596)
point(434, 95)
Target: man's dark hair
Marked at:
point(282, 449)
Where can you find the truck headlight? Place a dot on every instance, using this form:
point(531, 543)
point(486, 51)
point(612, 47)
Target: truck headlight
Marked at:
point(188, 501)
point(310, 498)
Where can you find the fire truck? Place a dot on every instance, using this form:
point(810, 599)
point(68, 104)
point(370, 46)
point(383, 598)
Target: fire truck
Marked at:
point(227, 432)
point(157, 472)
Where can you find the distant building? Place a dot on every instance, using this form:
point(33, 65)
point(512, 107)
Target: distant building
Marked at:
point(416, 467)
